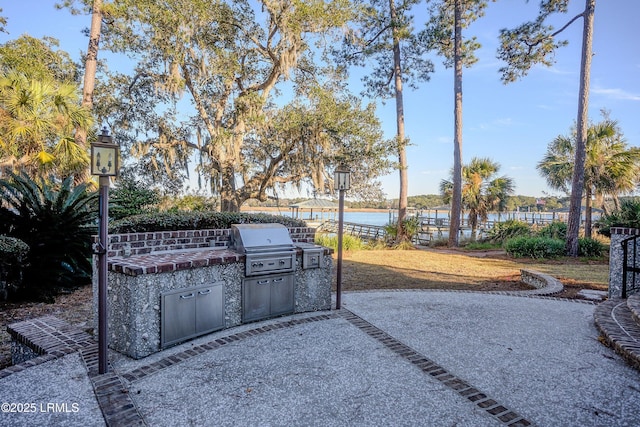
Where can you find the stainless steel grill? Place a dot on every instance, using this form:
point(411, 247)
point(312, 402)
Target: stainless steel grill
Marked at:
point(268, 248)
point(268, 287)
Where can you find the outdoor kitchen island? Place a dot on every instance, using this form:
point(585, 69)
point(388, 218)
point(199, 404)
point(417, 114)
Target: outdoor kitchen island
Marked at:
point(168, 287)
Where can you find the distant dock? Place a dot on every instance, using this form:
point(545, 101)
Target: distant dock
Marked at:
point(433, 226)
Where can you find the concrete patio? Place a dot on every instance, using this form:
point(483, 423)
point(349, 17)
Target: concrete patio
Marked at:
point(418, 358)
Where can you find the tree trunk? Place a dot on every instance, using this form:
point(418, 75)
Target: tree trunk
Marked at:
point(456, 198)
point(401, 234)
point(587, 213)
point(228, 199)
point(473, 223)
point(90, 67)
point(577, 185)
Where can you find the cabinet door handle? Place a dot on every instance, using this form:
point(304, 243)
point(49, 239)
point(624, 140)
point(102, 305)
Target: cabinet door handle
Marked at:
point(205, 292)
point(278, 280)
point(263, 282)
point(187, 296)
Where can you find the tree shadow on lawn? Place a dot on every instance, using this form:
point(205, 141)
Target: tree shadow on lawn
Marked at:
point(358, 276)
point(460, 270)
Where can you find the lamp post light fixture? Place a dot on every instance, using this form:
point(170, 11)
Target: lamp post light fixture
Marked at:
point(105, 156)
point(342, 181)
point(105, 163)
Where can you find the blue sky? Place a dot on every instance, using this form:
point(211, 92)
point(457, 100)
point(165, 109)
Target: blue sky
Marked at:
point(510, 124)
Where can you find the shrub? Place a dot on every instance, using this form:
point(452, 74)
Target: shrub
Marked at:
point(535, 247)
point(131, 198)
point(170, 221)
point(627, 216)
point(411, 225)
point(191, 202)
point(590, 247)
point(57, 222)
point(481, 246)
point(503, 231)
point(349, 242)
point(554, 230)
point(13, 260)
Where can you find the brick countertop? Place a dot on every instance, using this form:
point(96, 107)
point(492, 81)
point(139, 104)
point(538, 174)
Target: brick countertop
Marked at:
point(166, 262)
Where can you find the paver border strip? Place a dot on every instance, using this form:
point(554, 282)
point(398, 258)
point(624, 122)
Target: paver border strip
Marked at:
point(466, 291)
point(492, 407)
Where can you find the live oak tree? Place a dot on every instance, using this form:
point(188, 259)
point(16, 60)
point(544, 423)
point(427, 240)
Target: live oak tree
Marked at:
point(444, 33)
point(228, 62)
point(534, 43)
point(383, 38)
point(38, 58)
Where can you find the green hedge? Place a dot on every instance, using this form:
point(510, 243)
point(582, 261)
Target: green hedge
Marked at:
point(171, 221)
point(546, 247)
point(535, 247)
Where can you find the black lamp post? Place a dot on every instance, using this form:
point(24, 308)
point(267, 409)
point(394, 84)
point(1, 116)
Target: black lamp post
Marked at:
point(105, 163)
point(342, 181)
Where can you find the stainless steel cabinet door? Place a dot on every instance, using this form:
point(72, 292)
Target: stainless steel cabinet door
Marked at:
point(209, 308)
point(178, 316)
point(282, 300)
point(187, 313)
point(256, 295)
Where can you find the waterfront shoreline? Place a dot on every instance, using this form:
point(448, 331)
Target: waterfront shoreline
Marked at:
point(287, 209)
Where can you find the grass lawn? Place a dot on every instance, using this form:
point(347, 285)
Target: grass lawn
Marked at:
point(447, 269)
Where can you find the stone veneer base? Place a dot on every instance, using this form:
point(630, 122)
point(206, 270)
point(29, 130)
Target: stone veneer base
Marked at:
point(135, 283)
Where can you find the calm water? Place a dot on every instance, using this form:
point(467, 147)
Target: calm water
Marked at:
point(370, 218)
point(383, 218)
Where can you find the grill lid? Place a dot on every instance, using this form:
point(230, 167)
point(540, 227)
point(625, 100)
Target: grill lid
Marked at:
point(252, 238)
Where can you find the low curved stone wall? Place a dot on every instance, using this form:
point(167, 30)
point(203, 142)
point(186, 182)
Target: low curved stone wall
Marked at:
point(544, 284)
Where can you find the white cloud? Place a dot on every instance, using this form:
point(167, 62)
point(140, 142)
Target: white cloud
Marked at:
point(616, 94)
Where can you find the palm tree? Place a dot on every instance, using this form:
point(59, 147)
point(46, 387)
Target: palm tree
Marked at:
point(611, 168)
point(38, 117)
point(482, 192)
